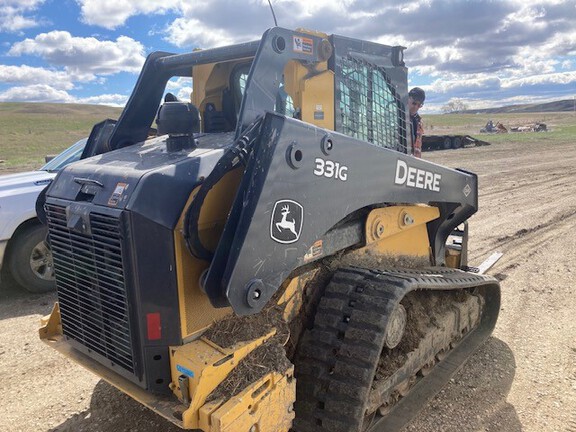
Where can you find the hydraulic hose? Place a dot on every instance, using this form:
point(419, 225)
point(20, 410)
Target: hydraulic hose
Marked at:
point(237, 154)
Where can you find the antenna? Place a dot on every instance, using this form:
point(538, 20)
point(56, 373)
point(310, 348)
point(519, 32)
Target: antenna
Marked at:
point(273, 14)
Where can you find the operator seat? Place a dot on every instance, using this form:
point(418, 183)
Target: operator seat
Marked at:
point(220, 121)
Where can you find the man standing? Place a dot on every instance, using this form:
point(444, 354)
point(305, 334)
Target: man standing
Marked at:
point(416, 98)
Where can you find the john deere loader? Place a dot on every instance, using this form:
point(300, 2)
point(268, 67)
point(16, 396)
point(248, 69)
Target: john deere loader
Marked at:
point(267, 255)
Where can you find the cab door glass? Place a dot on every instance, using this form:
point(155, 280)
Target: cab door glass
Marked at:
point(284, 104)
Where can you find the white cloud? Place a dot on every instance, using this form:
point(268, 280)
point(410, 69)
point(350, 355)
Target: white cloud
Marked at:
point(562, 43)
point(562, 78)
point(219, 22)
point(35, 93)
point(15, 23)
point(303, 8)
point(473, 84)
point(116, 100)
point(48, 94)
point(184, 94)
point(181, 87)
point(27, 75)
point(84, 55)
point(499, 50)
point(178, 82)
point(13, 16)
point(192, 33)
point(21, 4)
point(112, 13)
point(73, 60)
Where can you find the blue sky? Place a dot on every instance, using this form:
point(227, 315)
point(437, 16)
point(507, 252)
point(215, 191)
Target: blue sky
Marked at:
point(484, 53)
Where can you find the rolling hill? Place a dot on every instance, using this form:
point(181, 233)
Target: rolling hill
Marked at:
point(556, 106)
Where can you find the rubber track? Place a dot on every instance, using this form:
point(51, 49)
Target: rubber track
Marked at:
point(337, 359)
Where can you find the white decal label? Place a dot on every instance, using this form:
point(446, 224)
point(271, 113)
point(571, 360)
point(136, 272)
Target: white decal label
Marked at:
point(327, 168)
point(416, 177)
point(117, 194)
point(286, 221)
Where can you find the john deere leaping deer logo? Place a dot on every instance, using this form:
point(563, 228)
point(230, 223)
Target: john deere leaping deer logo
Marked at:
point(286, 221)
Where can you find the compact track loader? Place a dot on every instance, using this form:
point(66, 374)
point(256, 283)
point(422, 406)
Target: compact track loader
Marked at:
point(269, 257)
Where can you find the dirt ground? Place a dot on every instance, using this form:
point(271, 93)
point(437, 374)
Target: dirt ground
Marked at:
point(522, 379)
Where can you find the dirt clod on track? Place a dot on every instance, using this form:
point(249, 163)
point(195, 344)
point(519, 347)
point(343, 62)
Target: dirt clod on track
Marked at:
point(522, 379)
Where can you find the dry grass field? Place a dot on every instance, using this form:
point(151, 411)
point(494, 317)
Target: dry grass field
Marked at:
point(28, 131)
point(522, 379)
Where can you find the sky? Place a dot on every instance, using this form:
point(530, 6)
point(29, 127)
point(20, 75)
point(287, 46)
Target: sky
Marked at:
point(484, 53)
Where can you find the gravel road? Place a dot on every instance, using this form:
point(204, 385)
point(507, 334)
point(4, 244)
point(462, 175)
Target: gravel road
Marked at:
point(522, 379)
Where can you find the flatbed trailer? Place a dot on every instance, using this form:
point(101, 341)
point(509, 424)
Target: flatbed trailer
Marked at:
point(445, 142)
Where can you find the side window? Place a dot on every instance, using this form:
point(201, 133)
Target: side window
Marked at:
point(238, 80)
point(284, 103)
point(242, 78)
point(369, 107)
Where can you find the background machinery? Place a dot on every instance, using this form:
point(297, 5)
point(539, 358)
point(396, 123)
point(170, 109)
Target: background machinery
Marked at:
point(270, 257)
point(446, 142)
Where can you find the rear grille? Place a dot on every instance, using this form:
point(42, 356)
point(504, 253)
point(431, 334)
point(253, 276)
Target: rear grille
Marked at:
point(91, 285)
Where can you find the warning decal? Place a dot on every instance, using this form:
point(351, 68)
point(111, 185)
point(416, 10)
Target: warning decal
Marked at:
point(117, 194)
point(303, 45)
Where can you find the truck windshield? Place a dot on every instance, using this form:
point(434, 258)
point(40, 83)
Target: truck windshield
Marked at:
point(71, 154)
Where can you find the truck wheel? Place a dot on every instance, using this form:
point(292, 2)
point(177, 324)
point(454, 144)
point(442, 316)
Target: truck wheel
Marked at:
point(456, 142)
point(30, 260)
point(447, 143)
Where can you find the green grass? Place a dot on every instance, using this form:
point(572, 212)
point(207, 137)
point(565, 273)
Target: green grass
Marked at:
point(30, 131)
point(561, 126)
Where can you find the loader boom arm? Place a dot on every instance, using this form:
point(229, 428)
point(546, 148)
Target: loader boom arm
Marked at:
point(295, 191)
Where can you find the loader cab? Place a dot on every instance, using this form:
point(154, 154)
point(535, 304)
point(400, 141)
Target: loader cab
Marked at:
point(344, 94)
point(219, 88)
point(217, 91)
point(349, 86)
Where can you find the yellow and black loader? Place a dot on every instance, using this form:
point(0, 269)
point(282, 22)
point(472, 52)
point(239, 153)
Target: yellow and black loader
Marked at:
point(268, 256)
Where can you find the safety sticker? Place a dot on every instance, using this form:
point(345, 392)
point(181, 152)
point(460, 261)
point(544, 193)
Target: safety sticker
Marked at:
point(315, 251)
point(286, 221)
point(117, 194)
point(184, 371)
point(303, 45)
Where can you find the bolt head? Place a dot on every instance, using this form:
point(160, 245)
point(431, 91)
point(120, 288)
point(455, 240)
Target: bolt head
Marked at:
point(254, 292)
point(408, 219)
point(378, 228)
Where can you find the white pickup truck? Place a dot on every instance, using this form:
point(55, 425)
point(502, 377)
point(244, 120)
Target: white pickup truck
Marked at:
point(23, 251)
